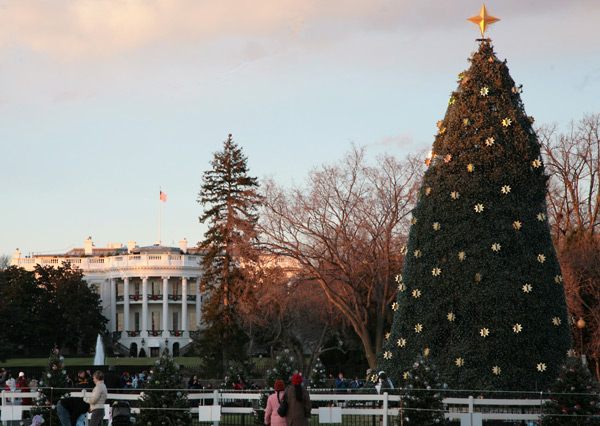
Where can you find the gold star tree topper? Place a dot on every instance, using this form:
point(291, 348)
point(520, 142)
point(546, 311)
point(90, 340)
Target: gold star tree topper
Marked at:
point(483, 19)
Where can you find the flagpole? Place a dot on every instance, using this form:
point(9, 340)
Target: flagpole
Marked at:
point(159, 214)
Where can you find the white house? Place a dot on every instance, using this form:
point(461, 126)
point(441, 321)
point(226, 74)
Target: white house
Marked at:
point(150, 295)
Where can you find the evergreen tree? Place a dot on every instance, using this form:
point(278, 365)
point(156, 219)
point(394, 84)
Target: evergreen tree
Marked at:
point(163, 402)
point(481, 286)
point(53, 386)
point(573, 401)
point(282, 369)
point(318, 375)
point(229, 197)
point(422, 401)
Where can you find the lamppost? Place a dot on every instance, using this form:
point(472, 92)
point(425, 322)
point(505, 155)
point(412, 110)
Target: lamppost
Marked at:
point(581, 325)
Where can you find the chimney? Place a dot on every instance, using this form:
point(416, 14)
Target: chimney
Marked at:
point(89, 246)
point(183, 245)
point(130, 246)
point(17, 254)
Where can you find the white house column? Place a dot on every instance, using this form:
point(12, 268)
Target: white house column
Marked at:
point(144, 325)
point(198, 304)
point(126, 304)
point(113, 306)
point(165, 312)
point(184, 313)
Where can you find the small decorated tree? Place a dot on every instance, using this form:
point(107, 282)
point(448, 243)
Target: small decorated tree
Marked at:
point(53, 385)
point(282, 369)
point(573, 400)
point(422, 400)
point(318, 375)
point(163, 402)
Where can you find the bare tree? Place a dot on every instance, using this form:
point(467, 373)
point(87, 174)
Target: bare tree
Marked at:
point(346, 230)
point(573, 161)
point(281, 312)
point(4, 261)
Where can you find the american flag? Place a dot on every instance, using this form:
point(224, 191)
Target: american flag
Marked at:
point(163, 197)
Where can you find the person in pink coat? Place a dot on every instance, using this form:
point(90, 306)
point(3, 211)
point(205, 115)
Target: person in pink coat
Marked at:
point(271, 416)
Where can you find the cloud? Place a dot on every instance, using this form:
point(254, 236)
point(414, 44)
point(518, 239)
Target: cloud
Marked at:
point(71, 28)
point(403, 140)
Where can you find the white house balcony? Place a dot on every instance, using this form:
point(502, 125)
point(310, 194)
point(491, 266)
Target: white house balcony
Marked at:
point(116, 262)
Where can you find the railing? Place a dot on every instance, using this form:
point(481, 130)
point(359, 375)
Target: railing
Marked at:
point(108, 262)
point(327, 407)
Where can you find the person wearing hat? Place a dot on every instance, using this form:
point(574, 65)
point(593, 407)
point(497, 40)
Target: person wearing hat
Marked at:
point(272, 418)
point(298, 400)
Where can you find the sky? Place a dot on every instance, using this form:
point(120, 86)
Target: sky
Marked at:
point(104, 102)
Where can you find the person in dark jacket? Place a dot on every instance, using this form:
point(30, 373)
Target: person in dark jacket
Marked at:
point(298, 400)
point(112, 380)
point(69, 411)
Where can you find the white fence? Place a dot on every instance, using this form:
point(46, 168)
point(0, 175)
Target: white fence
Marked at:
point(469, 411)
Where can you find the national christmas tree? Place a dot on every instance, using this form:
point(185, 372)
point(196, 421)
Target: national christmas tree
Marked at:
point(481, 287)
point(163, 402)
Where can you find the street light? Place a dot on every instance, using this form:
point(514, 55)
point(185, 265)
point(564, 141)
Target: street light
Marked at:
point(581, 325)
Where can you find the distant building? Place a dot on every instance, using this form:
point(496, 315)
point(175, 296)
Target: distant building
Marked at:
point(150, 295)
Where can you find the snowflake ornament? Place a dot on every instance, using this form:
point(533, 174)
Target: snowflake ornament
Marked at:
point(418, 328)
point(496, 247)
point(436, 226)
point(484, 332)
point(416, 293)
point(558, 279)
point(541, 367)
point(395, 306)
point(556, 321)
point(506, 122)
point(536, 163)
point(459, 362)
point(401, 287)
point(387, 355)
point(505, 189)
point(516, 224)
point(401, 342)
point(541, 258)
point(451, 317)
point(417, 253)
point(479, 208)
point(489, 141)
point(454, 195)
point(541, 217)
point(571, 353)
point(447, 158)
point(517, 328)
point(484, 91)
point(462, 256)
point(398, 278)
point(496, 370)
point(436, 272)
point(387, 335)
point(527, 288)
point(470, 167)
